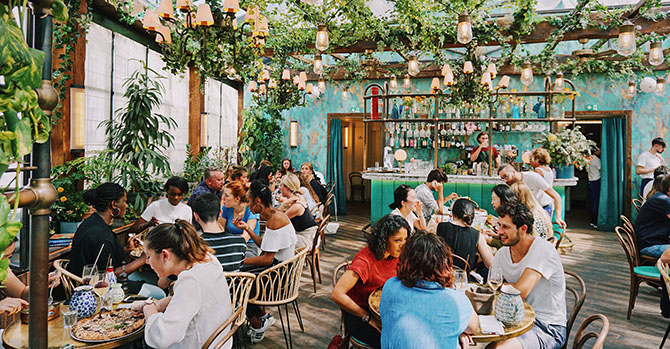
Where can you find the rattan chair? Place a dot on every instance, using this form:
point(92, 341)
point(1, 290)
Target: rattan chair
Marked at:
point(638, 273)
point(279, 285)
point(239, 284)
point(579, 300)
point(663, 269)
point(67, 279)
point(313, 254)
point(581, 338)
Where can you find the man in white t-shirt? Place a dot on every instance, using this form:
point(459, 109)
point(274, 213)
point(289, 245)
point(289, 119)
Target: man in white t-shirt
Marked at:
point(648, 161)
point(593, 171)
point(424, 192)
point(533, 267)
point(543, 192)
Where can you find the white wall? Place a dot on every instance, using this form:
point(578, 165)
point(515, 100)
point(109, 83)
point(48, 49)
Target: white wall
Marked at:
point(221, 108)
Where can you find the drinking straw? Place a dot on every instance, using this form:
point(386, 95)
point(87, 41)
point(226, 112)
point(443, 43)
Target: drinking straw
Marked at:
point(96, 258)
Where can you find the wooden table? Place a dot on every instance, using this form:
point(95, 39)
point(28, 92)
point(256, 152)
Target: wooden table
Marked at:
point(510, 332)
point(16, 336)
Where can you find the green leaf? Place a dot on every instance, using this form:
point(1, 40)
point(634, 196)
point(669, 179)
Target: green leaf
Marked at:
point(59, 11)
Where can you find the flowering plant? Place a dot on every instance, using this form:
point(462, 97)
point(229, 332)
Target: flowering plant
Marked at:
point(567, 147)
point(69, 206)
point(567, 95)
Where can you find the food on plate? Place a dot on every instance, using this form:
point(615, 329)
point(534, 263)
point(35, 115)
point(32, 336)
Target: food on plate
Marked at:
point(108, 325)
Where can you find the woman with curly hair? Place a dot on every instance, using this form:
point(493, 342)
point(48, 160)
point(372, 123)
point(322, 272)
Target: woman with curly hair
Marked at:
point(540, 160)
point(425, 276)
point(369, 270)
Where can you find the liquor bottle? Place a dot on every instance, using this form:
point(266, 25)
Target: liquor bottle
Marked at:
point(443, 140)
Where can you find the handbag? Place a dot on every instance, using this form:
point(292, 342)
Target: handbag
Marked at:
point(338, 342)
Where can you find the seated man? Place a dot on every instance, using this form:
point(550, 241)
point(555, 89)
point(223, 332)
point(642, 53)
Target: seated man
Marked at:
point(424, 192)
point(659, 171)
point(652, 226)
point(229, 249)
point(533, 267)
point(543, 192)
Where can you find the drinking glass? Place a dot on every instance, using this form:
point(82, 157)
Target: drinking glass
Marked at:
point(106, 301)
point(101, 285)
point(495, 278)
point(88, 273)
point(69, 317)
point(460, 279)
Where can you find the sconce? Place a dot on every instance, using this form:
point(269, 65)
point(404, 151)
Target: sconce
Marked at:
point(345, 138)
point(77, 117)
point(203, 130)
point(293, 134)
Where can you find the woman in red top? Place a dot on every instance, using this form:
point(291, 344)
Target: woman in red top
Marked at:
point(370, 269)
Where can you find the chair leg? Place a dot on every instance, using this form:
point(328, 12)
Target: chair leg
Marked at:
point(281, 318)
point(296, 308)
point(312, 268)
point(318, 266)
point(288, 324)
point(631, 297)
point(665, 336)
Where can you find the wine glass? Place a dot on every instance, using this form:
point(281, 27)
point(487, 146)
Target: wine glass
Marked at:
point(495, 278)
point(101, 284)
point(88, 273)
point(460, 279)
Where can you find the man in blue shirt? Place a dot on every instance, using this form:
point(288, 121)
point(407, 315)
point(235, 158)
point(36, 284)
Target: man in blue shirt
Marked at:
point(652, 226)
point(213, 183)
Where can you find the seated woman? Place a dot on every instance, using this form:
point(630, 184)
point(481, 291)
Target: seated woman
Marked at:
point(297, 211)
point(286, 167)
point(406, 205)
point(239, 174)
point(234, 207)
point(168, 209)
point(201, 300)
point(425, 277)
point(542, 224)
point(94, 233)
point(464, 240)
point(308, 171)
point(277, 245)
point(310, 196)
point(369, 270)
point(501, 195)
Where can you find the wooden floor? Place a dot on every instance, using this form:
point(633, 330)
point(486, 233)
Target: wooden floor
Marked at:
point(597, 258)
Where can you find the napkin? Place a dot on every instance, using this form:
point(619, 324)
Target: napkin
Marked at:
point(489, 325)
point(124, 306)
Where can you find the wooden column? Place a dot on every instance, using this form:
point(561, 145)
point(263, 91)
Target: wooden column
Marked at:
point(60, 134)
point(196, 105)
point(240, 120)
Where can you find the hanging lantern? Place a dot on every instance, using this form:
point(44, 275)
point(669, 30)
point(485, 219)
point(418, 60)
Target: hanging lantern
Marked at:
point(272, 83)
point(345, 94)
point(446, 69)
point(559, 84)
point(322, 85)
point(302, 81)
point(393, 83)
point(184, 5)
point(492, 70)
point(464, 30)
point(163, 35)
point(413, 65)
point(448, 78)
point(151, 21)
point(406, 82)
point(660, 87)
point(632, 89)
point(231, 6)
point(656, 54)
point(625, 45)
point(527, 74)
point(318, 65)
point(204, 17)
point(165, 9)
point(253, 86)
point(286, 75)
point(467, 67)
point(435, 85)
point(486, 79)
point(321, 42)
point(504, 82)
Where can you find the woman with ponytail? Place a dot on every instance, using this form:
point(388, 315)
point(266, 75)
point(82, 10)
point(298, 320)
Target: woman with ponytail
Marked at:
point(201, 300)
point(109, 201)
point(464, 240)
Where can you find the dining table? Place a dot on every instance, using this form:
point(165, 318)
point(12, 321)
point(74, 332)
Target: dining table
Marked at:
point(478, 337)
point(15, 336)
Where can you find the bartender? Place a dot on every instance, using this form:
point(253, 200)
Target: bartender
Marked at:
point(481, 152)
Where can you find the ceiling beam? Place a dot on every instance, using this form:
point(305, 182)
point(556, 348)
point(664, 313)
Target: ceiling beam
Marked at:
point(631, 14)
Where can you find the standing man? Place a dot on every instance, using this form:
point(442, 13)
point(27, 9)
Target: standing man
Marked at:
point(424, 192)
point(543, 192)
point(594, 185)
point(533, 267)
point(481, 152)
point(648, 161)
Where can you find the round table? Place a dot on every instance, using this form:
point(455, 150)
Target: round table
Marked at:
point(16, 336)
point(510, 332)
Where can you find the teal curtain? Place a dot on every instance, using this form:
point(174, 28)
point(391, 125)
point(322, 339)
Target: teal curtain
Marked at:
point(335, 166)
point(613, 173)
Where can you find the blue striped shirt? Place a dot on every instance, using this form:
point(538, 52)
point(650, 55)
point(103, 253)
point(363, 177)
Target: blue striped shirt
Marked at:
point(229, 249)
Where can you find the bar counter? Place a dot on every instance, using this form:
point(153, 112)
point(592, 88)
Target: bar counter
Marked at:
point(478, 188)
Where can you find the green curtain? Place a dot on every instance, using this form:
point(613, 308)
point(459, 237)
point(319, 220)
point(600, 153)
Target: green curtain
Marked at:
point(335, 166)
point(613, 173)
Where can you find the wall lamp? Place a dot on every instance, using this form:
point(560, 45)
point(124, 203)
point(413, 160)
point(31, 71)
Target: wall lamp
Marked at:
point(293, 134)
point(77, 118)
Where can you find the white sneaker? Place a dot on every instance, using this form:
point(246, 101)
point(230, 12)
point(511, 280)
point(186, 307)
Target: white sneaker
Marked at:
point(256, 335)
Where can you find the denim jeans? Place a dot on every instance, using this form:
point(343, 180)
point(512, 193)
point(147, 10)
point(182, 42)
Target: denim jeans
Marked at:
point(654, 250)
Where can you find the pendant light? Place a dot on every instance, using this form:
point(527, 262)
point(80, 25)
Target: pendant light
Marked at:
point(296, 80)
point(345, 94)
point(446, 69)
point(318, 65)
point(151, 21)
point(448, 75)
point(393, 83)
point(527, 74)
point(660, 87)
point(308, 89)
point(406, 82)
point(321, 42)
point(625, 45)
point(486, 79)
point(272, 83)
point(253, 86)
point(165, 38)
point(266, 75)
point(559, 84)
point(184, 5)
point(464, 30)
point(492, 70)
point(631, 90)
point(413, 65)
point(322, 85)
point(467, 67)
point(504, 82)
point(435, 85)
point(302, 81)
point(165, 9)
point(231, 6)
point(204, 17)
point(286, 75)
point(656, 54)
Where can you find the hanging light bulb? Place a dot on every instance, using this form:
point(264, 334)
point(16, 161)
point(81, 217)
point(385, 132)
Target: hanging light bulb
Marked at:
point(262, 89)
point(204, 17)
point(253, 86)
point(660, 87)
point(486, 79)
point(413, 65)
point(559, 84)
point(322, 85)
point(345, 94)
point(631, 90)
point(467, 67)
point(504, 82)
point(464, 30)
point(321, 42)
point(656, 54)
point(318, 65)
point(527, 74)
point(435, 85)
point(406, 82)
point(492, 70)
point(625, 45)
point(393, 82)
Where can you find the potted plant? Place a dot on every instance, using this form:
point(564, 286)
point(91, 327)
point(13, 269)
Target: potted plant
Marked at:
point(69, 209)
point(568, 149)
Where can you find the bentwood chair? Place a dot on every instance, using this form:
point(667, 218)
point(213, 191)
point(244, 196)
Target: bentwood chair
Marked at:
point(580, 296)
point(356, 184)
point(628, 227)
point(638, 273)
point(344, 331)
point(279, 285)
point(465, 263)
point(637, 203)
point(313, 254)
point(239, 284)
point(663, 269)
point(581, 338)
point(67, 279)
